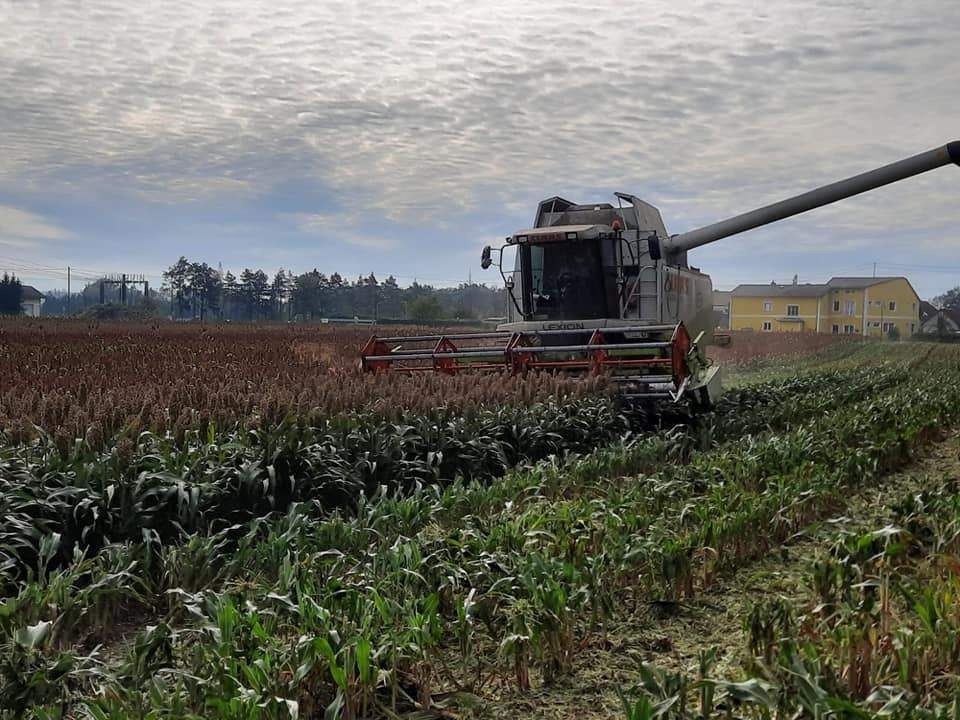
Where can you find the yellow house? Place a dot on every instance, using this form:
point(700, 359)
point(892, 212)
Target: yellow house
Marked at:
point(844, 305)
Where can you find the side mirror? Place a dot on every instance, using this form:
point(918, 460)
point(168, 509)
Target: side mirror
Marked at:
point(485, 260)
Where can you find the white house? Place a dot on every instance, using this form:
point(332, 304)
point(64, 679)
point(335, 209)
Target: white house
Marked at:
point(31, 300)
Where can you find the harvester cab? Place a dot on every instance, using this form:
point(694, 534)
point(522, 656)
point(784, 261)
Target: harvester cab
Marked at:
point(603, 288)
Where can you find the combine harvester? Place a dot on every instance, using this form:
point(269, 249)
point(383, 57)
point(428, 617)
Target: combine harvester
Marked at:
point(603, 289)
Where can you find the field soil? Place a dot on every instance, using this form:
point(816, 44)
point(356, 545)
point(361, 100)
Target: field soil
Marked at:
point(670, 636)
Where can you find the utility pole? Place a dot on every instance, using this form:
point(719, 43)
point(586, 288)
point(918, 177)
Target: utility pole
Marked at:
point(68, 289)
point(874, 269)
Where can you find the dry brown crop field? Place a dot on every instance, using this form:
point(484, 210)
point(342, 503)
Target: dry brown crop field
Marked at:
point(93, 380)
point(83, 379)
point(747, 346)
point(61, 374)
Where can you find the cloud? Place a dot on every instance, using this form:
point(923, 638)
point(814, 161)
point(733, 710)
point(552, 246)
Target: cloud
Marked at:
point(369, 241)
point(22, 229)
point(341, 227)
point(445, 116)
point(317, 223)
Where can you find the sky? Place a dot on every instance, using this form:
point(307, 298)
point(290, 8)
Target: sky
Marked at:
point(400, 137)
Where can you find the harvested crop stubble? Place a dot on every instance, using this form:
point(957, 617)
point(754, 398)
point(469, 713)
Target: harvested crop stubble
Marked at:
point(747, 346)
point(75, 379)
point(869, 625)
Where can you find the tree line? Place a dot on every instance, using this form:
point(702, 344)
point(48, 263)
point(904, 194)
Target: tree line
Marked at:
point(197, 290)
point(11, 295)
point(950, 300)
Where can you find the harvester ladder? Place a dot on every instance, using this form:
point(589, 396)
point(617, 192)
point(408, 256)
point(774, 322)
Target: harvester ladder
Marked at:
point(645, 309)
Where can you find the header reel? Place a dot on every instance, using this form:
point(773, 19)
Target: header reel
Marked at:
point(649, 362)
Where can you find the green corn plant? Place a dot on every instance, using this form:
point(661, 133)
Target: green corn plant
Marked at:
point(515, 647)
point(153, 650)
point(706, 661)
point(676, 569)
point(465, 634)
point(35, 674)
point(639, 709)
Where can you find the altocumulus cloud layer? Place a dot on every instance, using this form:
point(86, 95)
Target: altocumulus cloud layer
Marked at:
point(401, 136)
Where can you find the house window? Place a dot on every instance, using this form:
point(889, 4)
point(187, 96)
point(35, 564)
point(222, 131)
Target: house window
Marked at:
point(836, 306)
point(767, 306)
point(849, 329)
point(893, 305)
point(913, 327)
point(913, 306)
point(836, 329)
point(887, 326)
point(793, 310)
point(767, 326)
point(876, 323)
point(851, 307)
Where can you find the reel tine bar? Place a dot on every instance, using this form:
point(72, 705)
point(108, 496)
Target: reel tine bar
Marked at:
point(625, 360)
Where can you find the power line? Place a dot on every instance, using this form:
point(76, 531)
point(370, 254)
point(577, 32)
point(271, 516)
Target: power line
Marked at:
point(877, 267)
point(926, 268)
point(59, 271)
point(24, 265)
point(30, 263)
point(46, 274)
point(41, 271)
point(31, 272)
point(51, 272)
point(32, 269)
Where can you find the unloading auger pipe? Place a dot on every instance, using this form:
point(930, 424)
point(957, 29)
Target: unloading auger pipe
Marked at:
point(900, 170)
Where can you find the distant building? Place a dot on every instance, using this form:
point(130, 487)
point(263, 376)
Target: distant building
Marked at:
point(721, 309)
point(842, 306)
point(31, 300)
point(936, 321)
